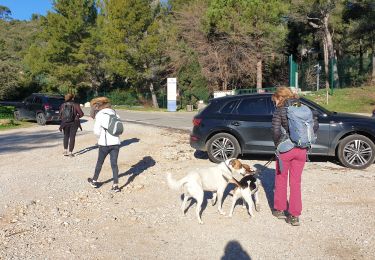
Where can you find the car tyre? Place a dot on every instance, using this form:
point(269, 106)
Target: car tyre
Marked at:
point(222, 146)
point(41, 119)
point(356, 151)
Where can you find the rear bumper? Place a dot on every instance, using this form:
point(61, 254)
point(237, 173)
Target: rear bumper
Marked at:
point(52, 116)
point(197, 143)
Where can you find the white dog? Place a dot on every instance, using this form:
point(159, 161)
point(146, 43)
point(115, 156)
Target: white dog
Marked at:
point(213, 179)
point(246, 187)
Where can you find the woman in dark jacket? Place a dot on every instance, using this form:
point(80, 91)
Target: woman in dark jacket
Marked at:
point(292, 161)
point(70, 125)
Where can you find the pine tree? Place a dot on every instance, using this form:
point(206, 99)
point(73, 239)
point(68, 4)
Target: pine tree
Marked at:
point(58, 56)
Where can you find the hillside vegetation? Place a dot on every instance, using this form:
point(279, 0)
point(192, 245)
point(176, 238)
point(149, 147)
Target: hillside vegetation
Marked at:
point(351, 100)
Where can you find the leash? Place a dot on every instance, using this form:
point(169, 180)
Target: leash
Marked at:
point(258, 172)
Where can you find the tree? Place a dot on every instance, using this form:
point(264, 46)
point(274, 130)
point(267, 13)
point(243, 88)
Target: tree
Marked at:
point(259, 26)
point(318, 14)
point(59, 54)
point(5, 13)
point(15, 38)
point(130, 41)
point(360, 16)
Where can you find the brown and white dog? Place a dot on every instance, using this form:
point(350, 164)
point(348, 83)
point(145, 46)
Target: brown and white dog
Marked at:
point(213, 179)
point(245, 188)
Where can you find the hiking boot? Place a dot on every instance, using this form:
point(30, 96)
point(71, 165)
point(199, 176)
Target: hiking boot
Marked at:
point(115, 189)
point(93, 183)
point(280, 214)
point(294, 221)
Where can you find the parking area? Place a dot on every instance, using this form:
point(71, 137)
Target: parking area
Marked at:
point(48, 210)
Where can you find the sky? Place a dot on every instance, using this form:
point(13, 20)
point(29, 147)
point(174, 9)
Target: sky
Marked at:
point(23, 9)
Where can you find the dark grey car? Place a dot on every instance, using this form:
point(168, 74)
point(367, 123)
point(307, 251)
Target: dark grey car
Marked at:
point(42, 108)
point(241, 124)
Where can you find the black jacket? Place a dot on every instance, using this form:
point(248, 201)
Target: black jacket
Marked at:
point(280, 119)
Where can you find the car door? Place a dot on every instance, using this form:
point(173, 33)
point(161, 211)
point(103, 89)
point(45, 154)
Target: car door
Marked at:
point(252, 120)
point(323, 141)
point(36, 106)
point(25, 109)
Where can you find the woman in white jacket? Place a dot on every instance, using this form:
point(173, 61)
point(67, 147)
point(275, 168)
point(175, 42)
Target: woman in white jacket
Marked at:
point(108, 144)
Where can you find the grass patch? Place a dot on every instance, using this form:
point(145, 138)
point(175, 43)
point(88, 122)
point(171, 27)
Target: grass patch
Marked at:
point(7, 120)
point(351, 100)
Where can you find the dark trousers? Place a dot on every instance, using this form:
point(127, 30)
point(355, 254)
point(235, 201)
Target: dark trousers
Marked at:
point(70, 132)
point(113, 151)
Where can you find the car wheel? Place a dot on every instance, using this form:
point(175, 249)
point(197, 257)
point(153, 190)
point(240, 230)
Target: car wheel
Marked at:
point(41, 119)
point(222, 146)
point(356, 152)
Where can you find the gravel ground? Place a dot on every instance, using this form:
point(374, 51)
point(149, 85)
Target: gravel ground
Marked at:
point(49, 211)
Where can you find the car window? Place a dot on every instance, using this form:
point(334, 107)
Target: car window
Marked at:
point(55, 102)
point(37, 100)
point(253, 106)
point(228, 107)
point(29, 99)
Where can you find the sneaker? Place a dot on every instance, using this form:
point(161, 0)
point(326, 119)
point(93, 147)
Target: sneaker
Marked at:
point(65, 153)
point(279, 214)
point(71, 154)
point(115, 189)
point(294, 221)
point(93, 183)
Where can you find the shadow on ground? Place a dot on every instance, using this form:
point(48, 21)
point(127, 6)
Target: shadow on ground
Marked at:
point(21, 141)
point(122, 144)
point(234, 251)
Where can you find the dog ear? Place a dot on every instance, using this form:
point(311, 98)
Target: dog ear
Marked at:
point(247, 168)
point(235, 163)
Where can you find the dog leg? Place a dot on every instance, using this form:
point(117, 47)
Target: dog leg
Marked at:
point(247, 197)
point(220, 201)
point(183, 205)
point(234, 200)
point(199, 199)
point(256, 200)
point(214, 198)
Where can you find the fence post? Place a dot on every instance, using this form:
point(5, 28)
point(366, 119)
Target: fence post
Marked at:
point(293, 72)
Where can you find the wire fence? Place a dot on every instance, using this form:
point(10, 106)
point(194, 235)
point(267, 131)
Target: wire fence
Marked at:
point(351, 72)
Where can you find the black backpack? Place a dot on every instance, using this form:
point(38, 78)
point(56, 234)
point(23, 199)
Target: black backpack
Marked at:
point(67, 114)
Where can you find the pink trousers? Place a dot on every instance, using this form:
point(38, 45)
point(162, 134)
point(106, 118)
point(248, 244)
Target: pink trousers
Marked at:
point(292, 166)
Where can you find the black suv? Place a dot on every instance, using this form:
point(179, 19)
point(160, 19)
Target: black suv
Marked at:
point(40, 107)
point(241, 124)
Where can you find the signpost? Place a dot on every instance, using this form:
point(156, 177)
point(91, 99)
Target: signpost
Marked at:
point(172, 94)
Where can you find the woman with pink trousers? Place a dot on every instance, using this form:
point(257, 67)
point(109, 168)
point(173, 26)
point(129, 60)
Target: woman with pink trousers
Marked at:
point(292, 161)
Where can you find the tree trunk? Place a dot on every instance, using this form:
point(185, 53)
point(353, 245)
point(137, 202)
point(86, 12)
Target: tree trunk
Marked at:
point(325, 52)
point(373, 69)
point(259, 75)
point(153, 95)
point(331, 50)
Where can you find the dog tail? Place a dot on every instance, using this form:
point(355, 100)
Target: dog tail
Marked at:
point(174, 184)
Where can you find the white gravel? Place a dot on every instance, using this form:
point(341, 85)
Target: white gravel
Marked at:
point(48, 210)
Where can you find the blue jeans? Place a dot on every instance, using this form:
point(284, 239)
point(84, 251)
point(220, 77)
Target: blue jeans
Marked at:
point(113, 151)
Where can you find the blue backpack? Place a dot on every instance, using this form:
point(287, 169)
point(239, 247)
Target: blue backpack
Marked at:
point(301, 125)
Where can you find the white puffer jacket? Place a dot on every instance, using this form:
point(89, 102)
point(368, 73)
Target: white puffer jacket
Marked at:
point(102, 120)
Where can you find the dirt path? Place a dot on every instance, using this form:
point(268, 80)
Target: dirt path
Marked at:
point(47, 209)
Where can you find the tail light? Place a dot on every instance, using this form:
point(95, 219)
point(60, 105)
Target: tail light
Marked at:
point(197, 121)
point(47, 106)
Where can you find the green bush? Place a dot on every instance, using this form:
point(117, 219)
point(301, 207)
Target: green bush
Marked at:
point(123, 97)
point(6, 112)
